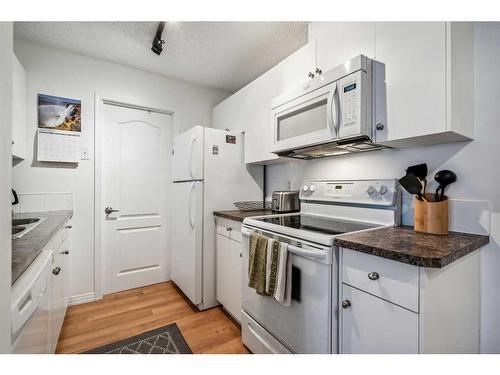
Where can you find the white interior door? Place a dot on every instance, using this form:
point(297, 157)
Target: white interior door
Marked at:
point(187, 241)
point(135, 181)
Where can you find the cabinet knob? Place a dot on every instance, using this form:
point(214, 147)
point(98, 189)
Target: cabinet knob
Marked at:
point(373, 276)
point(56, 270)
point(65, 252)
point(68, 226)
point(229, 229)
point(241, 255)
point(346, 304)
point(310, 75)
point(318, 71)
point(379, 126)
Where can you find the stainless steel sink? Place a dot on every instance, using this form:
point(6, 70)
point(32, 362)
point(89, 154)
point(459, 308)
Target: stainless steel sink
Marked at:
point(18, 229)
point(29, 220)
point(22, 226)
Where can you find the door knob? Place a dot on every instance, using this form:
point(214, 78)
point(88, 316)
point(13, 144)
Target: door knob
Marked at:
point(373, 276)
point(346, 304)
point(56, 270)
point(110, 210)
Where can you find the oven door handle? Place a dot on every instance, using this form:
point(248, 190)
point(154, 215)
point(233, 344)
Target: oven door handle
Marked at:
point(323, 256)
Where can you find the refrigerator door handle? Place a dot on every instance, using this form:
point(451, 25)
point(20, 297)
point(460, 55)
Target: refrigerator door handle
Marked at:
point(191, 148)
point(191, 221)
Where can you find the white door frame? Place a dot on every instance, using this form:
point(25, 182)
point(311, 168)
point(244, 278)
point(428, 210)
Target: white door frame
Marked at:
point(99, 101)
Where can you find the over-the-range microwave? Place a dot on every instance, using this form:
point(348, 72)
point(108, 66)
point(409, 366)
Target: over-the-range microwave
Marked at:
point(330, 115)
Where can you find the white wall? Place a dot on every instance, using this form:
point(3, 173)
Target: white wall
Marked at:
point(55, 72)
point(476, 164)
point(5, 180)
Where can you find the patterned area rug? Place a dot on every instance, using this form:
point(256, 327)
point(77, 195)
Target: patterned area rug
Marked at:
point(164, 340)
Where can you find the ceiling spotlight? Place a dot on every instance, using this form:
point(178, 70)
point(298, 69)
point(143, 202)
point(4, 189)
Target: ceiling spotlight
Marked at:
point(158, 42)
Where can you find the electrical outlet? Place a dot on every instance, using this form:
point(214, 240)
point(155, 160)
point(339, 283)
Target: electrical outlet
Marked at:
point(85, 154)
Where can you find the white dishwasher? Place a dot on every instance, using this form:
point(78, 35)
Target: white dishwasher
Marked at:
point(30, 308)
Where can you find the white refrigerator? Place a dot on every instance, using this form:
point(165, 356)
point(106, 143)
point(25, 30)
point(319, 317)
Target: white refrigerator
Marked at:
point(209, 174)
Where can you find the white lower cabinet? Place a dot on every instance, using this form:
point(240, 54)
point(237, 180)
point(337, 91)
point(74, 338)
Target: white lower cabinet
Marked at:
point(228, 266)
point(60, 282)
point(373, 325)
point(392, 307)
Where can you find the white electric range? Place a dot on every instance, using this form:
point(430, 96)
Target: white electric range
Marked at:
point(329, 208)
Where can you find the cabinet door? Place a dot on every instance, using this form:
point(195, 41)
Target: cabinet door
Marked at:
point(371, 325)
point(19, 109)
point(259, 129)
point(414, 58)
point(57, 302)
point(233, 279)
point(66, 264)
point(337, 42)
point(294, 70)
point(222, 244)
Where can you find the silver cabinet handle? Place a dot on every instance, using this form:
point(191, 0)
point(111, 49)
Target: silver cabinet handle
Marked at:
point(373, 276)
point(318, 71)
point(346, 304)
point(310, 75)
point(68, 226)
point(229, 229)
point(65, 252)
point(109, 210)
point(379, 126)
point(56, 270)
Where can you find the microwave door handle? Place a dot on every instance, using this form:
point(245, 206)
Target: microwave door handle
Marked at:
point(335, 104)
point(332, 108)
point(329, 115)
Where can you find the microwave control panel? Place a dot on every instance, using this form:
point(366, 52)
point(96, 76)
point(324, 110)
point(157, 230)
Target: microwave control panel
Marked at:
point(354, 91)
point(350, 101)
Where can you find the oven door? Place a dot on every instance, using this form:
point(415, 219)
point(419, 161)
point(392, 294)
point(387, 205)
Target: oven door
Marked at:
point(305, 326)
point(307, 120)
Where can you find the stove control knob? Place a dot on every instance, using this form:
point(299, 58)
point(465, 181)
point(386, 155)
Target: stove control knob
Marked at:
point(305, 188)
point(382, 190)
point(312, 188)
point(370, 190)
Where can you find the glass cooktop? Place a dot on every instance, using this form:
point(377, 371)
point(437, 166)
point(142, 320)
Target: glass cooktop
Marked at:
point(318, 224)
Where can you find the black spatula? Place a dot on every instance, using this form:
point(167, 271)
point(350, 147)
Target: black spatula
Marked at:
point(420, 171)
point(412, 185)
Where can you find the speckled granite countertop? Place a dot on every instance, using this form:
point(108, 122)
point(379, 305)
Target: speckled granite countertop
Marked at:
point(404, 245)
point(238, 215)
point(27, 248)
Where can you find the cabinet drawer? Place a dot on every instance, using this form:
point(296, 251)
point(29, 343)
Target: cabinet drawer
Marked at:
point(230, 229)
point(257, 339)
point(370, 325)
point(393, 281)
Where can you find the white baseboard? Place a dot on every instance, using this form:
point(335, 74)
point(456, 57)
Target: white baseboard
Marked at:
point(82, 298)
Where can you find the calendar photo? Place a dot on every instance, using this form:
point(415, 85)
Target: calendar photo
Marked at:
point(59, 113)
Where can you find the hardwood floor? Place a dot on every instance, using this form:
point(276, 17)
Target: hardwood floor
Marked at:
point(131, 312)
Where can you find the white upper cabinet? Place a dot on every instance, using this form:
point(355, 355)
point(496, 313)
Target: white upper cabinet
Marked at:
point(298, 68)
point(337, 42)
point(249, 110)
point(414, 55)
point(19, 109)
point(425, 71)
point(428, 82)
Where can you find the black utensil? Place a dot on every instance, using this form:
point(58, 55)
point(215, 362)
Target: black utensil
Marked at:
point(412, 185)
point(443, 178)
point(420, 171)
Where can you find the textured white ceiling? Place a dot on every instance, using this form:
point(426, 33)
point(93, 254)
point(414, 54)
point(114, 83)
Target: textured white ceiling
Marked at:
point(223, 55)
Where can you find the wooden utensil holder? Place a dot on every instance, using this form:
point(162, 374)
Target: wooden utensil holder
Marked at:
point(431, 217)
